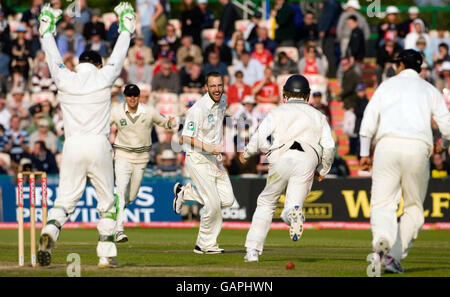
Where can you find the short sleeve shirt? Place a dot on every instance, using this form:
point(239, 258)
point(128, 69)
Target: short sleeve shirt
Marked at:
point(204, 121)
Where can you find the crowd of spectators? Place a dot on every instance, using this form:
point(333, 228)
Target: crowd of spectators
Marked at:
point(169, 59)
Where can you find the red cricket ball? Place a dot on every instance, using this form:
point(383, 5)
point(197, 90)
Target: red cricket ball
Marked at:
point(290, 265)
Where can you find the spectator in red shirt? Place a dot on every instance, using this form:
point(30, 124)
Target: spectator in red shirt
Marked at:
point(311, 64)
point(266, 90)
point(263, 55)
point(237, 91)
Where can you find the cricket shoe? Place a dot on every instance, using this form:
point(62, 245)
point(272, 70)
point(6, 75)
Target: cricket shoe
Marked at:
point(121, 237)
point(382, 248)
point(107, 262)
point(392, 266)
point(213, 251)
point(178, 199)
point(252, 256)
point(297, 218)
point(44, 255)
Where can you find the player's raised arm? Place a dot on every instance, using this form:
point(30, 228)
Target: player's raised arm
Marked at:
point(47, 29)
point(127, 26)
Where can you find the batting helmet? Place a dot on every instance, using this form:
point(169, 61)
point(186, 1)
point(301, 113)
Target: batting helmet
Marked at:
point(410, 58)
point(297, 84)
point(91, 57)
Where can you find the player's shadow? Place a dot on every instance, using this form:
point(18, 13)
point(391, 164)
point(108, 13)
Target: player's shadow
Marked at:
point(421, 269)
point(234, 251)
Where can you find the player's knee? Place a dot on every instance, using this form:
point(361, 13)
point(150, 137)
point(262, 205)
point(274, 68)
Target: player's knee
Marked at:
point(106, 225)
point(227, 202)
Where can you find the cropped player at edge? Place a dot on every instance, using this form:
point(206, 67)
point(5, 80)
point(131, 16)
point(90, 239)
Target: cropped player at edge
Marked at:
point(134, 122)
point(398, 120)
point(299, 146)
point(85, 98)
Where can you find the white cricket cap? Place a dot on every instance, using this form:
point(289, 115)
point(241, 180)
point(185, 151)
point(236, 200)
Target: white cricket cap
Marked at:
point(352, 3)
point(202, 1)
point(392, 9)
point(445, 66)
point(413, 10)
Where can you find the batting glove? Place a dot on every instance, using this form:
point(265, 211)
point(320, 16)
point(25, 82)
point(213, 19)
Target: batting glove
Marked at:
point(127, 17)
point(48, 19)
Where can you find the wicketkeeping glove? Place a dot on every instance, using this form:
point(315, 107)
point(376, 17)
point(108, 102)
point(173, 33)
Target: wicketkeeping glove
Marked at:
point(48, 18)
point(127, 17)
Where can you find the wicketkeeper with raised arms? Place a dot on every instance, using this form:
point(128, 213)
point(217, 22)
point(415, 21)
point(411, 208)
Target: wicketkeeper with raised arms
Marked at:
point(85, 98)
point(298, 144)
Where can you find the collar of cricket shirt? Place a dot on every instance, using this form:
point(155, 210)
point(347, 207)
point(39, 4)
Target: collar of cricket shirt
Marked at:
point(296, 100)
point(85, 67)
point(209, 102)
point(409, 73)
point(133, 116)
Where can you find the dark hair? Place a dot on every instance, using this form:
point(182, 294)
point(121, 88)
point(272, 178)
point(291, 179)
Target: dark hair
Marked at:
point(92, 57)
point(213, 74)
point(443, 44)
point(353, 18)
point(41, 144)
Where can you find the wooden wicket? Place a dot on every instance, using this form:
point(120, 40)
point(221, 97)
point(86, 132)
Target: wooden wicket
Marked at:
point(20, 216)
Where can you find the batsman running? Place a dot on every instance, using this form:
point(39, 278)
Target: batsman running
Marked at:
point(85, 98)
point(299, 146)
point(134, 122)
point(398, 120)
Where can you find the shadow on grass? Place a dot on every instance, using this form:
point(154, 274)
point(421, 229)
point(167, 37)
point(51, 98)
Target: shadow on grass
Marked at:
point(421, 269)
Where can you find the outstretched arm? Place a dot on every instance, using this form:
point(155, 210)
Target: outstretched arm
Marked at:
point(127, 26)
point(115, 62)
point(47, 28)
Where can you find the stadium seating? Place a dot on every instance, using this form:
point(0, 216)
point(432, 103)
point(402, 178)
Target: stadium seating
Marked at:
point(241, 25)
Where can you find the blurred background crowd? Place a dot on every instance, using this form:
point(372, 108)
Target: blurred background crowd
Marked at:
point(342, 51)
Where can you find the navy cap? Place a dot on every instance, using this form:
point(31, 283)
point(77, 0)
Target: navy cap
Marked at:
point(360, 87)
point(131, 90)
point(411, 58)
point(317, 94)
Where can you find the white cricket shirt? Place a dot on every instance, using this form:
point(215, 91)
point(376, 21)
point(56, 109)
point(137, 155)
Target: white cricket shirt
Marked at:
point(294, 121)
point(204, 121)
point(402, 106)
point(85, 95)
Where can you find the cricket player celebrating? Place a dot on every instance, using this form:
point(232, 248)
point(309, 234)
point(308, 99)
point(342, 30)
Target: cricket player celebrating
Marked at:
point(398, 119)
point(134, 122)
point(85, 98)
point(301, 147)
point(202, 141)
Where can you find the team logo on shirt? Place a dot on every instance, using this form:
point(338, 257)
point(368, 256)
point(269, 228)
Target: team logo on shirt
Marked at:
point(123, 122)
point(61, 65)
point(210, 118)
point(191, 126)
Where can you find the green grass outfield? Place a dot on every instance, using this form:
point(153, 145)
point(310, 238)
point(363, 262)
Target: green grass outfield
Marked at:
point(168, 252)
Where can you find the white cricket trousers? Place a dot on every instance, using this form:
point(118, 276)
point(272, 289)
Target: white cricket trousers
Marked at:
point(128, 181)
point(293, 174)
point(88, 156)
point(400, 168)
point(214, 193)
